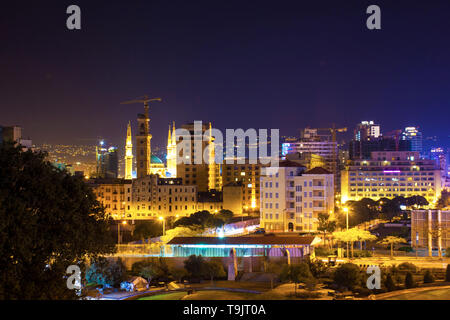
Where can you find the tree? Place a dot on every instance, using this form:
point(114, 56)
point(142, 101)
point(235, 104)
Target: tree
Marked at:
point(352, 235)
point(296, 273)
point(389, 283)
point(146, 229)
point(215, 269)
point(391, 240)
point(325, 225)
point(428, 277)
point(225, 215)
point(444, 200)
point(347, 275)
point(196, 266)
point(106, 272)
point(50, 220)
point(409, 280)
point(178, 273)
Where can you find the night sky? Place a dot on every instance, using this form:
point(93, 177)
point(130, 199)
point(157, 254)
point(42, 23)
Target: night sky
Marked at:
point(240, 64)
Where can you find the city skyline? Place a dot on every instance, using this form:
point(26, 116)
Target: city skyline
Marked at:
point(289, 78)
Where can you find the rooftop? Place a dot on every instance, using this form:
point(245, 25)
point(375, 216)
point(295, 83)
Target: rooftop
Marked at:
point(260, 239)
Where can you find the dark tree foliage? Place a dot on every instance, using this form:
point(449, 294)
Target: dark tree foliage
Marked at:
point(444, 200)
point(106, 272)
point(205, 219)
point(196, 266)
point(347, 275)
point(147, 229)
point(389, 283)
point(409, 281)
point(49, 220)
point(428, 277)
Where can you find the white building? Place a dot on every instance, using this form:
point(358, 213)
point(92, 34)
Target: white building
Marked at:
point(292, 198)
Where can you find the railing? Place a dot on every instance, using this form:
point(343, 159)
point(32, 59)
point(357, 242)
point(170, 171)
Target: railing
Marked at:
point(143, 250)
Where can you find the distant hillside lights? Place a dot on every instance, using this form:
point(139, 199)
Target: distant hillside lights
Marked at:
point(235, 140)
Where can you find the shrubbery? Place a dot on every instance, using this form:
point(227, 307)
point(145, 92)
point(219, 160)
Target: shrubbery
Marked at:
point(409, 281)
point(407, 266)
point(347, 275)
point(428, 277)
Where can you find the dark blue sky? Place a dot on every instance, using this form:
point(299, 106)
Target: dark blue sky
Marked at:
point(241, 64)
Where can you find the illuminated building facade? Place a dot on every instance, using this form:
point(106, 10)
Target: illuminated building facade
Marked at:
point(367, 130)
point(292, 197)
point(430, 229)
point(192, 169)
point(390, 174)
point(415, 136)
point(114, 195)
point(129, 154)
point(153, 197)
point(172, 152)
point(249, 176)
point(313, 143)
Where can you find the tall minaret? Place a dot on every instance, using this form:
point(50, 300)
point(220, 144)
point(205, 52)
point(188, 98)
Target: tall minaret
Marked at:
point(171, 152)
point(129, 154)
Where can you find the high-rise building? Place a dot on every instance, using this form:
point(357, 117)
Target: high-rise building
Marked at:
point(192, 167)
point(389, 174)
point(367, 130)
point(129, 154)
point(415, 136)
point(311, 142)
point(292, 197)
point(14, 134)
point(107, 161)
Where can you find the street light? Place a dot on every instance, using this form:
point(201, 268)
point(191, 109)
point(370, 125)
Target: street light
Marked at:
point(118, 231)
point(346, 216)
point(164, 224)
point(346, 219)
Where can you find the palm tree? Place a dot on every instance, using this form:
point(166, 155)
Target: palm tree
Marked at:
point(391, 240)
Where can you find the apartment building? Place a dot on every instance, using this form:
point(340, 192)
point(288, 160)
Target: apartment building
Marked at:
point(292, 197)
point(153, 197)
point(390, 174)
point(114, 195)
point(249, 176)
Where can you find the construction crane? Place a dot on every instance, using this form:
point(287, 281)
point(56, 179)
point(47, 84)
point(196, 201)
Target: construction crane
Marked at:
point(145, 100)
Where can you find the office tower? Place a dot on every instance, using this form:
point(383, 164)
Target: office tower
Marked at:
point(192, 167)
point(367, 130)
point(292, 197)
point(415, 136)
point(129, 154)
point(107, 161)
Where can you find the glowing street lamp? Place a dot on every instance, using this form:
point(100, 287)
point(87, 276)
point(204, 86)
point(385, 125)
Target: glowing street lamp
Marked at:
point(164, 224)
point(118, 230)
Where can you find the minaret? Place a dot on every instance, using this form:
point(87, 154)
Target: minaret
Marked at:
point(129, 154)
point(171, 152)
